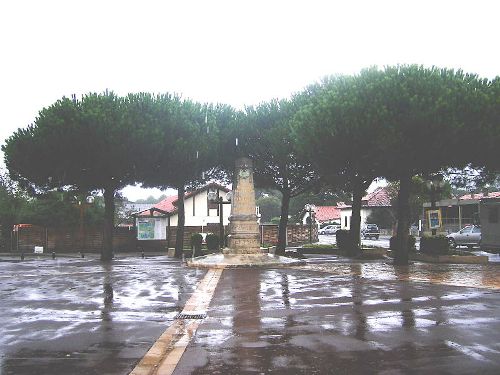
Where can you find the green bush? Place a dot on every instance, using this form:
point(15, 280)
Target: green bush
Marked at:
point(212, 242)
point(318, 246)
point(411, 243)
point(344, 241)
point(196, 241)
point(435, 245)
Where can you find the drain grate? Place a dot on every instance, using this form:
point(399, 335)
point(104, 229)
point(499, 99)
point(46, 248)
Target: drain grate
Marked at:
point(191, 316)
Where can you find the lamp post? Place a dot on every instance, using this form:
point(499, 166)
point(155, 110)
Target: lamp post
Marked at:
point(435, 184)
point(214, 198)
point(310, 208)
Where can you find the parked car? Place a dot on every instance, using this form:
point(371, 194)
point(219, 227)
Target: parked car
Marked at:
point(370, 231)
point(469, 236)
point(329, 229)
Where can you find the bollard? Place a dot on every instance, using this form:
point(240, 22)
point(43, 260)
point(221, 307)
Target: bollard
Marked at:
point(142, 255)
point(22, 256)
point(53, 255)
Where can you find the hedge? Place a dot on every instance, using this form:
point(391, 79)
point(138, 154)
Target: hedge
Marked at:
point(196, 241)
point(411, 243)
point(344, 241)
point(212, 242)
point(435, 245)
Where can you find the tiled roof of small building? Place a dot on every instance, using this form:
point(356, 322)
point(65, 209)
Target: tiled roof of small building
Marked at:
point(169, 203)
point(493, 194)
point(326, 213)
point(378, 198)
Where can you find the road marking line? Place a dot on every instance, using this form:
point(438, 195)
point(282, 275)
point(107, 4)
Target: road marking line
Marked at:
point(166, 352)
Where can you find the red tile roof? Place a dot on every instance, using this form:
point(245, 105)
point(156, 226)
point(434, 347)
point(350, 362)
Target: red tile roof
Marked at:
point(169, 204)
point(493, 194)
point(166, 205)
point(327, 213)
point(380, 197)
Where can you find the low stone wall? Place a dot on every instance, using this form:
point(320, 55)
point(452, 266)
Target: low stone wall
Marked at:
point(457, 259)
point(296, 234)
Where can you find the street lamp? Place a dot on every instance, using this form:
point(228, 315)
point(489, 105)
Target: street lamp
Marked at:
point(213, 197)
point(310, 208)
point(435, 184)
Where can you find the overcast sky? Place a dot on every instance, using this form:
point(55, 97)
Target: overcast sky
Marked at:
point(237, 52)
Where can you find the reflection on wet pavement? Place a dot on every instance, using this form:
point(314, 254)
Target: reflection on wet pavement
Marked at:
point(87, 316)
point(473, 275)
point(298, 321)
point(83, 317)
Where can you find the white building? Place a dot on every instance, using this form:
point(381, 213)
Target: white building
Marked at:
point(378, 199)
point(153, 223)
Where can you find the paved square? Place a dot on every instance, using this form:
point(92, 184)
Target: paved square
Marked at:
point(72, 316)
point(79, 316)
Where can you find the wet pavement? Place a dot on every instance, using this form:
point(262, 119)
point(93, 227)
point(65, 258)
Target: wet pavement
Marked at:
point(78, 316)
point(302, 322)
point(384, 242)
point(472, 275)
point(72, 316)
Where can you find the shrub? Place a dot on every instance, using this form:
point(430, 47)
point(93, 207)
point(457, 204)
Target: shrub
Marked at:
point(411, 243)
point(196, 241)
point(212, 242)
point(344, 242)
point(435, 245)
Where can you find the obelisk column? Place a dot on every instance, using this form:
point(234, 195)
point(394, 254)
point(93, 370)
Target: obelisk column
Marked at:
point(244, 235)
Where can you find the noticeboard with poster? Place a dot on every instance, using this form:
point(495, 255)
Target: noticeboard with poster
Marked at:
point(151, 229)
point(434, 217)
point(146, 229)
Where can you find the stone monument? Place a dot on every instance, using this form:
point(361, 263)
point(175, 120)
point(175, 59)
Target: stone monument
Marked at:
point(244, 237)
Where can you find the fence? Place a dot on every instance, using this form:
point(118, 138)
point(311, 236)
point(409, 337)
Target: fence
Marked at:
point(73, 239)
point(69, 239)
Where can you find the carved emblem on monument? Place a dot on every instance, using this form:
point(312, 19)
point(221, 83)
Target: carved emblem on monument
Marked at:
point(244, 171)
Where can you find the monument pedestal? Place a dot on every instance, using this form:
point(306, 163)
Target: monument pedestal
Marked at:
point(244, 237)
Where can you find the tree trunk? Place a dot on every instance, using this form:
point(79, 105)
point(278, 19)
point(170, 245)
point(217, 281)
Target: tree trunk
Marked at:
point(401, 254)
point(355, 227)
point(109, 218)
point(179, 240)
point(285, 204)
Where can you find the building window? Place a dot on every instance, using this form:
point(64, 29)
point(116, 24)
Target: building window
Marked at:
point(345, 221)
point(212, 205)
point(493, 214)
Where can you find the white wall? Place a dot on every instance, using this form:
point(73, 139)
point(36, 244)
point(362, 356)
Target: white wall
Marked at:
point(200, 217)
point(365, 212)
